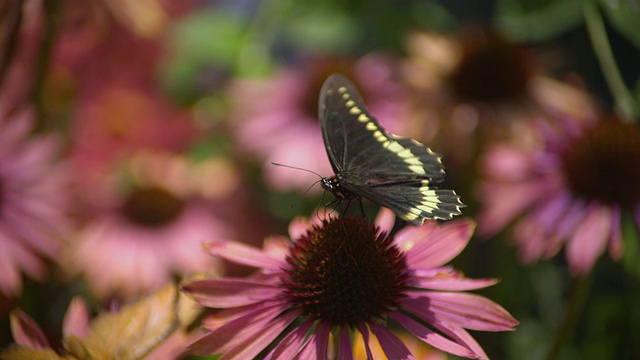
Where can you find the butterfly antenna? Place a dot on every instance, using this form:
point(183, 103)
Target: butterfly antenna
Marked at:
point(297, 168)
point(309, 188)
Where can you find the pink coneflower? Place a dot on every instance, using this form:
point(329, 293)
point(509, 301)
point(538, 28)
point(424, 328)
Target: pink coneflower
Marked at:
point(32, 202)
point(277, 119)
point(150, 227)
point(571, 191)
point(345, 276)
point(478, 87)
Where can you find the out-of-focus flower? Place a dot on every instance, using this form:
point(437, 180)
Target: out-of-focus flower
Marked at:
point(112, 124)
point(570, 191)
point(151, 224)
point(32, 201)
point(345, 276)
point(276, 120)
point(479, 87)
point(152, 328)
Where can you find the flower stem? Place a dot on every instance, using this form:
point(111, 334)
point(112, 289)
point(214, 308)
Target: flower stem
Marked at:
point(50, 9)
point(625, 104)
point(579, 291)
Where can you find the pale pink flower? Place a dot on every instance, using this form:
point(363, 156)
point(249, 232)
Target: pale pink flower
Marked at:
point(570, 191)
point(32, 201)
point(346, 276)
point(276, 119)
point(151, 225)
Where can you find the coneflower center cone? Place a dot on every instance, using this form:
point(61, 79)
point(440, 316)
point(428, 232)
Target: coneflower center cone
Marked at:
point(345, 272)
point(152, 207)
point(604, 164)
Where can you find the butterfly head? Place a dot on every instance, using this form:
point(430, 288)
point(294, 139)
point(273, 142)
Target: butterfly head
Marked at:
point(332, 185)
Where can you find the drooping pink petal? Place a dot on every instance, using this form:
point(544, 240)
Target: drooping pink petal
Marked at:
point(26, 332)
point(317, 346)
point(243, 254)
point(76, 319)
point(453, 283)
point(391, 345)
point(589, 239)
point(246, 335)
point(431, 337)
point(407, 238)
point(289, 346)
point(514, 199)
point(470, 311)
point(442, 245)
point(344, 345)
point(223, 293)
point(298, 227)
point(365, 338)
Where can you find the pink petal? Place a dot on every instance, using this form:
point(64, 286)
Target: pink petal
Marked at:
point(246, 335)
point(223, 293)
point(431, 337)
point(589, 239)
point(344, 346)
point(391, 345)
point(298, 227)
point(245, 255)
point(365, 337)
point(26, 332)
point(316, 347)
point(289, 346)
point(385, 220)
point(76, 320)
point(470, 311)
point(454, 284)
point(442, 245)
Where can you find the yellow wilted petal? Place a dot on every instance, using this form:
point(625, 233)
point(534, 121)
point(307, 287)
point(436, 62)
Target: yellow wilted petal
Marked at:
point(132, 332)
point(30, 354)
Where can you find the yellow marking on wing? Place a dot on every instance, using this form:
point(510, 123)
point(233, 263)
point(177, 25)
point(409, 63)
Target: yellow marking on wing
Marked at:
point(342, 89)
point(363, 118)
point(395, 147)
point(413, 161)
point(350, 103)
point(371, 126)
point(418, 169)
point(355, 110)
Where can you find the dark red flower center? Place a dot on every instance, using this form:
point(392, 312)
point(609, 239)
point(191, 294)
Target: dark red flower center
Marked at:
point(344, 273)
point(604, 164)
point(491, 69)
point(152, 207)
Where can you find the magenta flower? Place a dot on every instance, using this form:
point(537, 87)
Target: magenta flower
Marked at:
point(274, 116)
point(568, 192)
point(32, 202)
point(347, 276)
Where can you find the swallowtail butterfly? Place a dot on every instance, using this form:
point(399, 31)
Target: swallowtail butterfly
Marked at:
point(392, 171)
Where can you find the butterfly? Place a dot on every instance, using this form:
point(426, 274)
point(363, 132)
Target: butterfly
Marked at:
point(391, 171)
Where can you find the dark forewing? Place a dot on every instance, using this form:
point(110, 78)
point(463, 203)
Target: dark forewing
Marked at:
point(356, 143)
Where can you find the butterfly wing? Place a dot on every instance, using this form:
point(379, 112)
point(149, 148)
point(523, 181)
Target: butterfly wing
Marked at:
point(355, 141)
point(392, 171)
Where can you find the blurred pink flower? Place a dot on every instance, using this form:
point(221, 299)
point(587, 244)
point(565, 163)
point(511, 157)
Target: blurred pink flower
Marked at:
point(347, 275)
point(570, 191)
point(32, 201)
point(277, 119)
point(150, 225)
point(478, 87)
point(113, 123)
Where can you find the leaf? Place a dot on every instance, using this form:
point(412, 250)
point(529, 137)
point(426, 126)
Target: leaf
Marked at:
point(624, 17)
point(537, 21)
